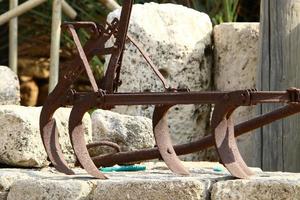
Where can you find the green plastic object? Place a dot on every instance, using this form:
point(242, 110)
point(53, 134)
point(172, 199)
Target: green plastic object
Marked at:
point(217, 169)
point(123, 168)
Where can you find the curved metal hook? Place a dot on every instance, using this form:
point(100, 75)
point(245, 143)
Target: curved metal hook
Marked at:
point(49, 134)
point(76, 132)
point(225, 143)
point(163, 140)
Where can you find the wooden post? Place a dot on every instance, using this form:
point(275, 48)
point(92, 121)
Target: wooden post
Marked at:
point(68, 10)
point(110, 4)
point(13, 39)
point(55, 43)
point(280, 69)
point(24, 7)
point(30, 4)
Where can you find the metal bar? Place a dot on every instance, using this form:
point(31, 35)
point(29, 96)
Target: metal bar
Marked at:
point(19, 10)
point(83, 59)
point(156, 98)
point(55, 43)
point(270, 97)
point(120, 43)
point(13, 39)
point(199, 145)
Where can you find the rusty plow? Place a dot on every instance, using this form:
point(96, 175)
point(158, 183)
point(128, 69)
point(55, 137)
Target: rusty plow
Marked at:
point(104, 95)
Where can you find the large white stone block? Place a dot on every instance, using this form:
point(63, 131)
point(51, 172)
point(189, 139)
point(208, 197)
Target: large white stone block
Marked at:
point(9, 87)
point(275, 186)
point(178, 40)
point(21, 143)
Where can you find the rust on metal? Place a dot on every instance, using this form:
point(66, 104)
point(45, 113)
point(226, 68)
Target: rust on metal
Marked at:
point(105, 96)
point(163, 140)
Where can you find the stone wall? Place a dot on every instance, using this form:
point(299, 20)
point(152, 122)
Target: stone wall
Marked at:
point(156, 183)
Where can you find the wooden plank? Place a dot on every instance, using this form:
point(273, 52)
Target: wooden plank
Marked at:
point(19, 10)
point(30, 4)
point(55, 43)
point(13, 39)
point(291, 77)
point(279, 70)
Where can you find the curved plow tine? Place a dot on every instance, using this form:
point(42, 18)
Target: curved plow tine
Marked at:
point(76, 132)
point(49, 134)
point(226, 144)
point(163, 140)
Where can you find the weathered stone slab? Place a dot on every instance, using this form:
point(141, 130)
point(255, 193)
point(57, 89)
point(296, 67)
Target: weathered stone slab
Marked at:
point(178, 40)
point(149, 184)
point(266, 186)
point(155, 183)
point(9, 87)
point(236, 59)
point(21, 143)
point(49, 190)
point(130, 132)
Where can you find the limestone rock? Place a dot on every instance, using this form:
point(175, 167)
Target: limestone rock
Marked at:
point(269, 186)
point(236, 60)
point(50, 190)
point(156, 182)
point(9, 176)
point(178, 40)
point(21, 143)
point(9, 87)
point(130, 132)
point(160, 189)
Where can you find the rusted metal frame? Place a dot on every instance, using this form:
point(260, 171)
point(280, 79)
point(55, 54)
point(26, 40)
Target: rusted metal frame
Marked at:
point(120, 42)
point(92, 26)
point(223, 132)
point(83, 59)
point(174, 97)
point(163, 140)
point(57, 98)
point(117, 81)
point(90, 100)
point(113, 145)
point(198, 145)
point(222, 124)
point(77, 137)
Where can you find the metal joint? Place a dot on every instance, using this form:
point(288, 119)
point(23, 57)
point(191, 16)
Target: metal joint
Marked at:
point(294, 94)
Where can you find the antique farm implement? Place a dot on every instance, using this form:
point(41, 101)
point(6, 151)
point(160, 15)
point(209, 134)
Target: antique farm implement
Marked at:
point(105, 96)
